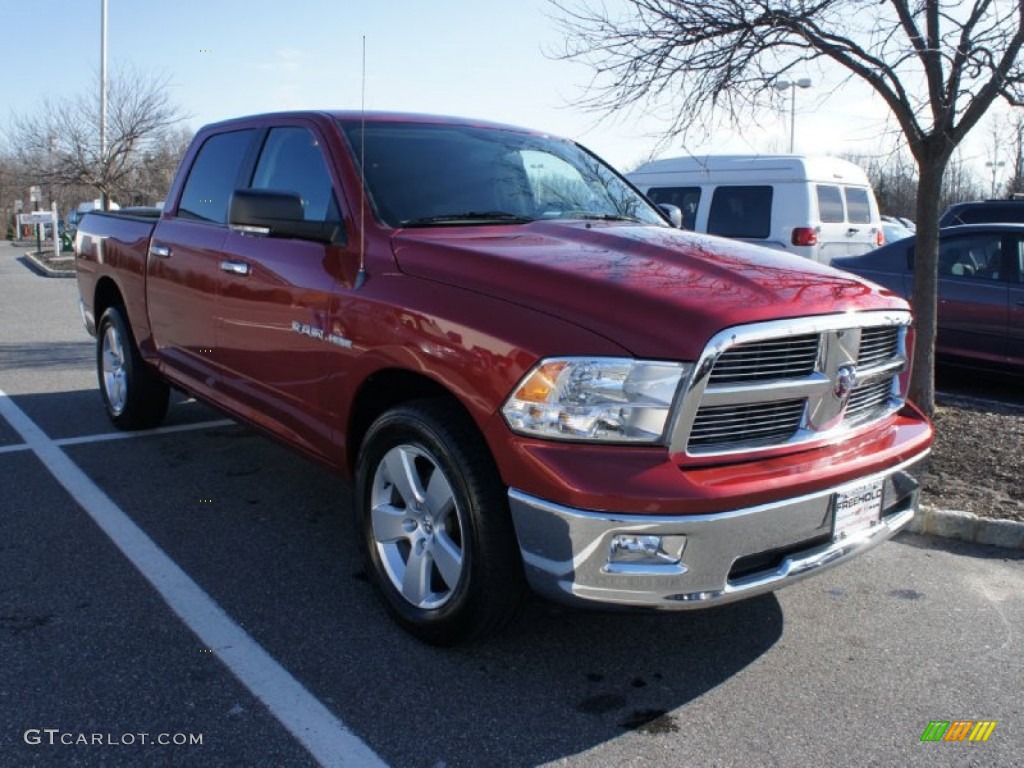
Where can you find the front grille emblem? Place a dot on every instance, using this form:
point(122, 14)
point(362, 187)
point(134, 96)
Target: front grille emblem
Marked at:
point(838, 362)
point(846, 380)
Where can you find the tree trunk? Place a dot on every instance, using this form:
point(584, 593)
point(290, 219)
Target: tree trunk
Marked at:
point(925, 298)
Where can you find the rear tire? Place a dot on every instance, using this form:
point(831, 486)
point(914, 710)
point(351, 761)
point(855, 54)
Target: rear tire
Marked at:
point(132, 394)
point(436, 530)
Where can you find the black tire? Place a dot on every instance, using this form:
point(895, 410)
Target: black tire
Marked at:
point(132, 394)
point(463, 511)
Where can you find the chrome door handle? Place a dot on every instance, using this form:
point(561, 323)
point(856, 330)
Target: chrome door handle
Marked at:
point(160, 251)
point(235, 267)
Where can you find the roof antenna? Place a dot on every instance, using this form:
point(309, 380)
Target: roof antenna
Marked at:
point(361, 274)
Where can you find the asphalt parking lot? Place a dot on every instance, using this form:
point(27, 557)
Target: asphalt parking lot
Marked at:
point(200, 585)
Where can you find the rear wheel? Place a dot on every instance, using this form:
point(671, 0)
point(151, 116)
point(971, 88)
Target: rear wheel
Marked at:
point(437, 533)
point(134, 397)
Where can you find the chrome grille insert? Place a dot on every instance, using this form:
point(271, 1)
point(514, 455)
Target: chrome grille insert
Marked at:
point(770, 359)
point(768, 386)
point(868, 401)
point(877, 345)
point(768, 422)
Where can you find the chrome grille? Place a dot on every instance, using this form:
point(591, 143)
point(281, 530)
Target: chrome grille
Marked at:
point(770, 359)
point(762, 422)
point(877, 345)
point(789, 383)
point(868, 401)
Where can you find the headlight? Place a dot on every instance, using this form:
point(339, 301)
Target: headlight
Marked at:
point(604, 399)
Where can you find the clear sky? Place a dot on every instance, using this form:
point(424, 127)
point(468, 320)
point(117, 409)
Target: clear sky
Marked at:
point(475, 58)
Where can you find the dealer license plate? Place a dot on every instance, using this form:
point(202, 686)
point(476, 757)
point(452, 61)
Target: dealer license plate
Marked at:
point(856, 508)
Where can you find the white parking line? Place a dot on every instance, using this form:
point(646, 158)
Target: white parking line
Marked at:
point(124, 435)
point(306, 718)
point(143, 433)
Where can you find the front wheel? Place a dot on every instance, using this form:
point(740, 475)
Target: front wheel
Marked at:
point(134, 397)
point(435, 524)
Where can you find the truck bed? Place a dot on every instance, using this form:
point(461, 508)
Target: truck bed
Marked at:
point(113, 245)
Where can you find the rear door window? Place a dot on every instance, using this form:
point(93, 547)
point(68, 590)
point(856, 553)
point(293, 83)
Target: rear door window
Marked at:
point(214, 176)
point(858, 205)
point(685, 198)
point(978, 257)
point(741, 212)
point(830, 204)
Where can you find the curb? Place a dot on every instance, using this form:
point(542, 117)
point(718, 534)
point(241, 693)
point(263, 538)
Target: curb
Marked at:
point(38, 266)
point(967, 526)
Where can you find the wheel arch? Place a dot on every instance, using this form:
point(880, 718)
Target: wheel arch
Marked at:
point(107, 294)
point(385, 389)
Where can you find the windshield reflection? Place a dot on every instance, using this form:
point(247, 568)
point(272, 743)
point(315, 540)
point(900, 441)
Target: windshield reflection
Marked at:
point(420, 174)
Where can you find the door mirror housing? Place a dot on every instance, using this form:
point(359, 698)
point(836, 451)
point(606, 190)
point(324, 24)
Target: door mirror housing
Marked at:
point(673, 213)
point(278, 213)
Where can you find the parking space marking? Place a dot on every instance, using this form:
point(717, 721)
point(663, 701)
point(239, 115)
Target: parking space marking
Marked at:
point(143, 433)
point(124, 435)
point(323, 735)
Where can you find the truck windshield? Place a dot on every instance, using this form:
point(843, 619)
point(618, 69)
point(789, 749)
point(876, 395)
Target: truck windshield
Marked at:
point(425, 174)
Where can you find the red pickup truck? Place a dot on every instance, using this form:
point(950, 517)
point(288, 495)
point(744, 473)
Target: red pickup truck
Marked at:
point(532, 376)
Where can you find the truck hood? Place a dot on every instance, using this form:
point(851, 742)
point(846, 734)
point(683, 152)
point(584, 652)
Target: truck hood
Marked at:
point(657, 292)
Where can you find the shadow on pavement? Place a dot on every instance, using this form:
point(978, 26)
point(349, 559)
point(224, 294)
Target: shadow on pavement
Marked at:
point(79, 413)
point(972, 382)
point(270, 537)
point(957, 547)
point(47, 355)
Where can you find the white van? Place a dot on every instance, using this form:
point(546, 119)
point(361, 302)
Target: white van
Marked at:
point(818, 207)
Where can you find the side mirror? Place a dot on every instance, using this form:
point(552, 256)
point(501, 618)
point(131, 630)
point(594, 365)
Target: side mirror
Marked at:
point(277, 213)
point(673, 214)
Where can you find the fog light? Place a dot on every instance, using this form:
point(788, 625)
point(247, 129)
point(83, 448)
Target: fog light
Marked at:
point(630, 548)
point(647, 555)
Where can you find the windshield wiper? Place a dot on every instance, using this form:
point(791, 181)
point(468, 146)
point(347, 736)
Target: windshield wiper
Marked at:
point(607, 217)
point(469, 217)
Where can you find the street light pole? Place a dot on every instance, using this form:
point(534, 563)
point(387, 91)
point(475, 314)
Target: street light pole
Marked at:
point(792, 85)
point(103, 91)
point(995, 164)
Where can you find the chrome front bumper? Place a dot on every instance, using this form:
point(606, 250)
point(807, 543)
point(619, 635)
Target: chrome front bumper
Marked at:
point(704, 559)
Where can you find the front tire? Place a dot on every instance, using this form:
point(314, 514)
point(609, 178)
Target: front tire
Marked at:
point(437, 534)
point(132, 394)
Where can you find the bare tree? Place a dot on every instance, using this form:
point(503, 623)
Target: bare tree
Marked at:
point(1015, 182)
point(151, 175)
point(61, 142)
point(960, 183)
point(937, 64)
point(894, 180)
point(11, 183)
